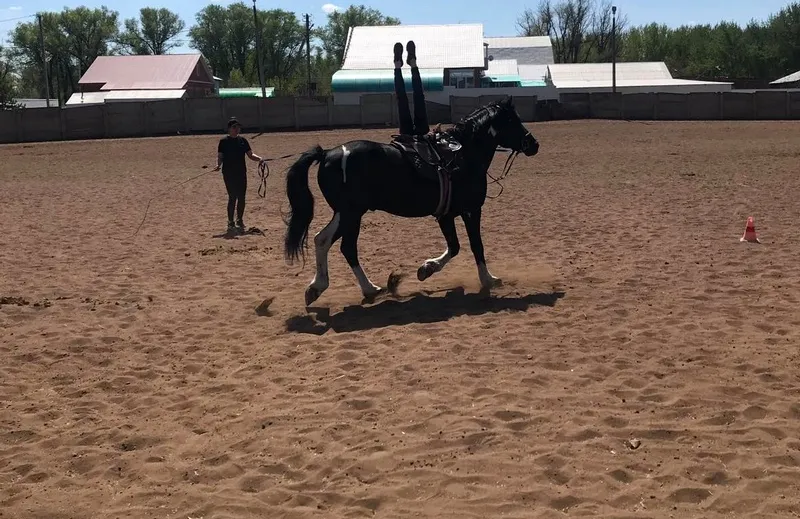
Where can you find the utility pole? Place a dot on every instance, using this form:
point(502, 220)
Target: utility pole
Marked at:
point(308, 51)
point(258, 52)
point(614, 49)
point(44, 61)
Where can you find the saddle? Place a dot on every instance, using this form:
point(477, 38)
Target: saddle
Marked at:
point(433, 158)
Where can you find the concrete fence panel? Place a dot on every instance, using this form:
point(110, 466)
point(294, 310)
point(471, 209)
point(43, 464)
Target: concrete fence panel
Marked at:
point(165, 117)
point(794, 105)
point(245, 109)
point(311, 112)
point(438, 113)
point(9, 125)
point(576, 105)
point(83, 122)
point(41, 124)
point(639, 106)
point(277, 113)
point(346, 115)
point(204, 115)
point(461, 107)
point(771, 105)
point(485, 99)
point(704, 106)
point(738, 105)
point(605, 106)
point(672, 107)
point(377, 109)
point(124, 120)
point(526, 108)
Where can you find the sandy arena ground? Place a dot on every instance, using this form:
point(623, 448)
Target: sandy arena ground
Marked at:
point(139, 381)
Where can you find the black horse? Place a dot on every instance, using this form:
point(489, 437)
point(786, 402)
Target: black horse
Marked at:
point(361, 176)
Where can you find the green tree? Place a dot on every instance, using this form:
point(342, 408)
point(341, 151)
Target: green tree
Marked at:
point(8, 83)
point(237, 80)
point(283, 47)
point(73, 39)
point(153, 32)
point(334, 35)
point(225, 36)
point(579, 29)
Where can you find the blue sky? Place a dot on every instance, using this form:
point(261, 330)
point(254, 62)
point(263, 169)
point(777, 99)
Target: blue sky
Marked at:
point(498, 16)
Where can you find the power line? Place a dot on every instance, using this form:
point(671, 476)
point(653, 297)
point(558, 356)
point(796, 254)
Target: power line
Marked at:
point(18, 18)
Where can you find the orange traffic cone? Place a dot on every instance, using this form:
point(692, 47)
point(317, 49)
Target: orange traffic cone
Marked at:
point(750, 232)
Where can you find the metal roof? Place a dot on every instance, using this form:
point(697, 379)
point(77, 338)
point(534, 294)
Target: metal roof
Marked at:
point(36, 103)
point(98, 98)
point(144, 95)
point(165, 72)
point(579, 73)
point(791, 78)
point(518, 42)
point(533, 72)
point(502, 67)
point(607, 83)
point(438, 46)
point(530, 50)
point(87, 98)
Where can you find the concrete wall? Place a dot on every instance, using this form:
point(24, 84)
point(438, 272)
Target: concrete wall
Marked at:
point(758, 105)
point(287, 113)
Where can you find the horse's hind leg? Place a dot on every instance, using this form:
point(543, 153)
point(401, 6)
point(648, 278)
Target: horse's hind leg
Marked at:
point(434, 265)
point(323, 242)
point(472, 221)
point(350, 227)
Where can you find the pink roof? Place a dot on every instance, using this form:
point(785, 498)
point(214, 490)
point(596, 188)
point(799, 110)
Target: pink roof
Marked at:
point(166, 72)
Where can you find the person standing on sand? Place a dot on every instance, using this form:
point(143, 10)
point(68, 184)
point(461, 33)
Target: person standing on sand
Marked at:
point(230, 158)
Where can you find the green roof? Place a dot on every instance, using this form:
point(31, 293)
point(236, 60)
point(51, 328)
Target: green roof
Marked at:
point(245, 92)
point(533, 83)
point(382, 80)
point(504, 78)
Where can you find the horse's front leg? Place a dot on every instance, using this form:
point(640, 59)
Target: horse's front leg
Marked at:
point(431, 266)
point(472, 221)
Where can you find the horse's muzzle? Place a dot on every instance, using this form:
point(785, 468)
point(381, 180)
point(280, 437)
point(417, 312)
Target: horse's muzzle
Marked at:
point(530, 146)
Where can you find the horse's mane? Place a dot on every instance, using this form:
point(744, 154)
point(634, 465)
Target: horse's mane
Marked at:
point(471, 124)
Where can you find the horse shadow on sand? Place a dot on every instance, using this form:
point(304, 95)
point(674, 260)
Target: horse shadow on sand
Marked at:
point(422, 308)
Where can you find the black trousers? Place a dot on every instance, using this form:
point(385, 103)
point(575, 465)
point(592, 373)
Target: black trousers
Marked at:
point(236, 185)
point(419, 125)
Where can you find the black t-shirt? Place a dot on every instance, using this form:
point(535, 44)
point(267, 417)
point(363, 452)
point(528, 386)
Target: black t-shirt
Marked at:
point(233, 150)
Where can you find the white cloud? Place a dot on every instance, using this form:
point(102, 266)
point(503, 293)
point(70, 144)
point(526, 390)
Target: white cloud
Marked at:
point(15, 8)
point(330, 8)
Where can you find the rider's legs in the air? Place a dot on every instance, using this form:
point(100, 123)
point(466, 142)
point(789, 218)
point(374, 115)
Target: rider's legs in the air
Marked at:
point(419, 125)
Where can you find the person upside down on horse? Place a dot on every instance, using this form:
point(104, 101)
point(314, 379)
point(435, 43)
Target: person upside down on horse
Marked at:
point(418, 126)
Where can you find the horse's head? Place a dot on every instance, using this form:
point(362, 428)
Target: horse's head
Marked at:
point(509, 131)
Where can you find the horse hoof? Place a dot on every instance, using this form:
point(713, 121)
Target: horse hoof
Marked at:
point(312, 294)
point(425, 271)
point(492, 282)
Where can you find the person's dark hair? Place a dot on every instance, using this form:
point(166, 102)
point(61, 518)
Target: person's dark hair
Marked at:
point(233, 122)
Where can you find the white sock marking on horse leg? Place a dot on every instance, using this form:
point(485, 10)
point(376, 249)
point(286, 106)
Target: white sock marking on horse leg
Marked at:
point(486, 277)
point(345, 154)
point(441, 261)
point(492, 131)
point(322, 244)
point(368, 288)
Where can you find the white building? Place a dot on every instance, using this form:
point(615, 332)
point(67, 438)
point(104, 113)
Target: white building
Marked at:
point(453, 60)
point(643, 77)
point(458, 60)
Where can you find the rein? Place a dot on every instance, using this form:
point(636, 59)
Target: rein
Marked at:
point(503, 175)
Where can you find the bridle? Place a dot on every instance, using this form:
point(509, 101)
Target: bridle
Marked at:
point(507, 167)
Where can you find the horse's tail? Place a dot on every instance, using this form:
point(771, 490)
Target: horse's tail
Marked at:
point(302, 204)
